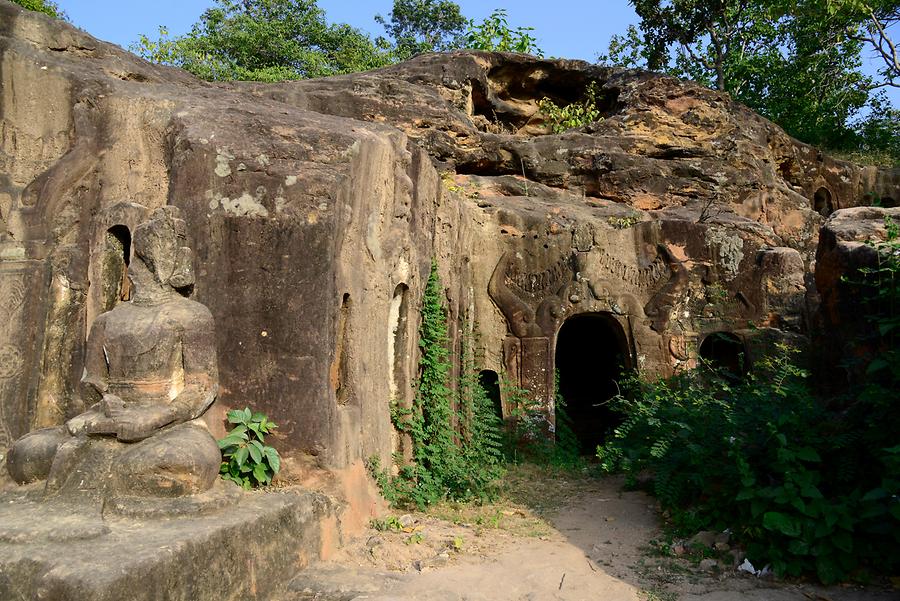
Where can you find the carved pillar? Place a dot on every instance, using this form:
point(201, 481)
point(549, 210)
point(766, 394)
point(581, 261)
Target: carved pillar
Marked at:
point(527, 361)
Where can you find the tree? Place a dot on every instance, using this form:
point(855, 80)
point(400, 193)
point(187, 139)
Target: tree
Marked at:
point(795, 62)
point(494, 34)
point(869, 22)
point(265, 40)
point(418, 26)
point(48, 7)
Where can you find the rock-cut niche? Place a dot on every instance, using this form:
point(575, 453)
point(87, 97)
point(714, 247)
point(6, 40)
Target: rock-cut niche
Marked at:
point(397, 340)
point(591, 355)
point(822, 202)
point(114, 283)
point(339, 366)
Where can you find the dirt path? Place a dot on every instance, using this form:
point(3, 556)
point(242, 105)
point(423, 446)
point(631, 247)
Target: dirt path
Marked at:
point(595, 545)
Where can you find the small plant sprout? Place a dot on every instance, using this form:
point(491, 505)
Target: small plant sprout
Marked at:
point(246, 460)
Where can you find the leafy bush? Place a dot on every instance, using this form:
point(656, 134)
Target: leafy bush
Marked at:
point(577, 114)
point(455, 434)
point(804, 488)
point(495, 35)
point(245, 459)
point(48, 7)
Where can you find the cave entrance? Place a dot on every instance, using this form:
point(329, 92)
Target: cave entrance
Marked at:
point(724, 352)
point(591, 353)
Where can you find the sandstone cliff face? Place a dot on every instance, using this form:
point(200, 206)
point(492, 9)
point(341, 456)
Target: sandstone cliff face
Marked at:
point(315, 209)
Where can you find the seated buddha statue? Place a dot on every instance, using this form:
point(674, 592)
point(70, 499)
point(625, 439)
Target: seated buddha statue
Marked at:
point(150, 372)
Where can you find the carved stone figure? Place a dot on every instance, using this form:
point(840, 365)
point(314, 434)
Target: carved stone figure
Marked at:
point(150, 372)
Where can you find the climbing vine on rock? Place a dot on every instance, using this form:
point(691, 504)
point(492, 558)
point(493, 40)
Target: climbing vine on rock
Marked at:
point(455, 435)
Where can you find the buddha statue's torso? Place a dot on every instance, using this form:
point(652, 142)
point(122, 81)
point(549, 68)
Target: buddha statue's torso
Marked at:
point(142, 345)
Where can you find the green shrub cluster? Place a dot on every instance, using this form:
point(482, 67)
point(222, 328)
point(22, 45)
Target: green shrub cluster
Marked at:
point(804, 488)
point(456, 436)
point(577, 114)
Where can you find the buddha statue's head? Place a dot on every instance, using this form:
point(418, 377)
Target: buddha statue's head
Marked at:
point(162, 262)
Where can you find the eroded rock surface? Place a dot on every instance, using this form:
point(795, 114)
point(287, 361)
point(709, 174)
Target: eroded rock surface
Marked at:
point(315, 209)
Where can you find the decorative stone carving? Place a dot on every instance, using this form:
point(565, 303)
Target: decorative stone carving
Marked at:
point(150, 372)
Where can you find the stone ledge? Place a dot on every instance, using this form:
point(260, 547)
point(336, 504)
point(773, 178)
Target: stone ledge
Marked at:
point(65, 551)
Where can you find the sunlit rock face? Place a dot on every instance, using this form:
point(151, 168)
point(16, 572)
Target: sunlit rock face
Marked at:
point(680, 225)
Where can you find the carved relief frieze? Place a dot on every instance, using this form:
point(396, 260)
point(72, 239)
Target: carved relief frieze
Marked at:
point(13, 290)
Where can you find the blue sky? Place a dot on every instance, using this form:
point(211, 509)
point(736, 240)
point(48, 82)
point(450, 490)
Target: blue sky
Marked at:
point(564, 28)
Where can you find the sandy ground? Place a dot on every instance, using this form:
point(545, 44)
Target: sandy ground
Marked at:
point(552, 539)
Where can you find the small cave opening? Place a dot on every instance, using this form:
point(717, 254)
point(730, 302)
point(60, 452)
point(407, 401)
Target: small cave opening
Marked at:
point(490, 383)
point(516, 89)
point(822, 202)
point(725, 352)
point(888, 203)
point(591, 355)
point(115, 285)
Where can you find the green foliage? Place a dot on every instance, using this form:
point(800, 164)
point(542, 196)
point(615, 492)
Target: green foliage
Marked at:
point(796, 63)
point(388, 524)
point(879, 295)
point(246, 460)
point(805, 488)
point(531, 437)
point(48, 7)
point(577, 114)
point(871, 22)
point(418, 26)
point(494, 34)
point(455, 434)
point(622, 223)
point(265, 40)
point(480, 437)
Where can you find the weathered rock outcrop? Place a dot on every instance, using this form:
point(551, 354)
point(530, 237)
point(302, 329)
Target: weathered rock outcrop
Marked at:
point(315, 208)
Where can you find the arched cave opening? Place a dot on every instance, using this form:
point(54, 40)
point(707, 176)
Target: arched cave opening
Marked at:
point(115, 285)
point(726, 352)
point(490, 383)
point(591, 354)
point(822, 202)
